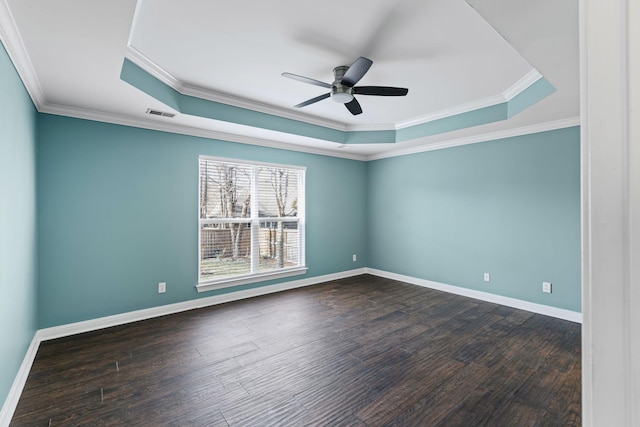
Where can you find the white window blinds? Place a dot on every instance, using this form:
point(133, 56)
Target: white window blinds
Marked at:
point(251, 223)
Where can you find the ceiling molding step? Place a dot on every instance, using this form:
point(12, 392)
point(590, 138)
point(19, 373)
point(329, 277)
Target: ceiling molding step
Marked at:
point(155, 70)
point(480, 116)
point(209, 134)
point(453, 111)
point(521, 85)
point(158, 125)
point(13, 44)
point(142, 61)
point(491, 136)
point(140, 78)
point(225, 98)
point(535, 92)
point(371, 127)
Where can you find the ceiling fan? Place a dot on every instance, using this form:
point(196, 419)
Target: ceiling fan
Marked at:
point(343, 88)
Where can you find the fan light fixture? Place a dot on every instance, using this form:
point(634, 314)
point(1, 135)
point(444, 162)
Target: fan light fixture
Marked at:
point(341, 96)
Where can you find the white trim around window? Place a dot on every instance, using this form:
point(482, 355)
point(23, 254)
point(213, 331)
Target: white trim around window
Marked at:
point(251, 222)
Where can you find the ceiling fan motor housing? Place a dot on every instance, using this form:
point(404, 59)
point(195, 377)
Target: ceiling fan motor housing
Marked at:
point(339, 92)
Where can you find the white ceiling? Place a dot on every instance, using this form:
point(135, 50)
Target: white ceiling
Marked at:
point(453, 55)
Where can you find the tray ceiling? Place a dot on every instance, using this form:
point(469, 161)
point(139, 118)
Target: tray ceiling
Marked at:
point(456, 57)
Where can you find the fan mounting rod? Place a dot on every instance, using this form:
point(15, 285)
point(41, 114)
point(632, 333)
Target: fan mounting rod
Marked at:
point(339, 92)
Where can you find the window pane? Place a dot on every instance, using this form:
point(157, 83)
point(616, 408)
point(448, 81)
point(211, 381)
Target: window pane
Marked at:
point(278, 192)
point(279, 243)
point(251, 220)
point(225, 190)
point(225, 250)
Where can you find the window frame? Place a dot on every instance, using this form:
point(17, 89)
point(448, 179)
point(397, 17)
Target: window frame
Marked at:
point(255, 220)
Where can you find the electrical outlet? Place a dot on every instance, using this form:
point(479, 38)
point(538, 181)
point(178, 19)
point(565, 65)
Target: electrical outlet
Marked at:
point(546, 287)
point(162, 287)
point(487, 277)
point(354, 258)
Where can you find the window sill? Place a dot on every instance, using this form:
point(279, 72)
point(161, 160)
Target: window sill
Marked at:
point(211, 285)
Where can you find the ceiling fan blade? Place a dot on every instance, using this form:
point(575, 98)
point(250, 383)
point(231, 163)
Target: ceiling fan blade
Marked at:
point(306, 80)
point(380, 90)
point(354, 107)
point(356, 71)
point(313, 100)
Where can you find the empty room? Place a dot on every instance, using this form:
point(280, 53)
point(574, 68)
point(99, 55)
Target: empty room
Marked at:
point(195, 231)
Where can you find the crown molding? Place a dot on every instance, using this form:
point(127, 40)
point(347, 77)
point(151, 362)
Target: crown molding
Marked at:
point(12, 41)
point(500, 100)
point(370, 127)
point(453, 111)
point(13, 44)
point(160, 124)
point(141, 60)
point(490, 136)
point(167, 78)
point(527, 80)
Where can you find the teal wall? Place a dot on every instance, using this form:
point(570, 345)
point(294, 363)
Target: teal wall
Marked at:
point(18, 261)
point(117, 213)
point(118, 210)
point(509, 207)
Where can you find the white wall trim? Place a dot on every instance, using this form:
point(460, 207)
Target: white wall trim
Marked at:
point(453, 111)
point(14, 46)
point(633, 206)
point(585, 220)
point(610, 97)
point(546, 310)
point(518, 87)
point(490, 136)
point(250, 278)
point(142, 61)
point(527, 80)
point(164, 126)
point(16, 50)
point(46, 334)
point(11, 402)
point(148, 313)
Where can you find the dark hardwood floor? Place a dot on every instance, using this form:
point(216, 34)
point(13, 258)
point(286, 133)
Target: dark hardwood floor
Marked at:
point(363, 351)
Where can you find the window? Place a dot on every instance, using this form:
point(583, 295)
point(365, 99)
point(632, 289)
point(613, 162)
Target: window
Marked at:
point(251, 223)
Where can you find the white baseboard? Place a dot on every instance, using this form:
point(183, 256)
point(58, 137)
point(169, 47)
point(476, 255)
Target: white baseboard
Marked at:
point(163, 310)
point(11, 402)
point(41, 335)
point(546, 310)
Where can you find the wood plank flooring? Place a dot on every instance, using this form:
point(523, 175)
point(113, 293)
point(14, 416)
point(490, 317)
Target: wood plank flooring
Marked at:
point(363, 351)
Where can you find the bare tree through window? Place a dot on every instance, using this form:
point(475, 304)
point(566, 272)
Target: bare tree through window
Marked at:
point(249, 218)
point(279, 181)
